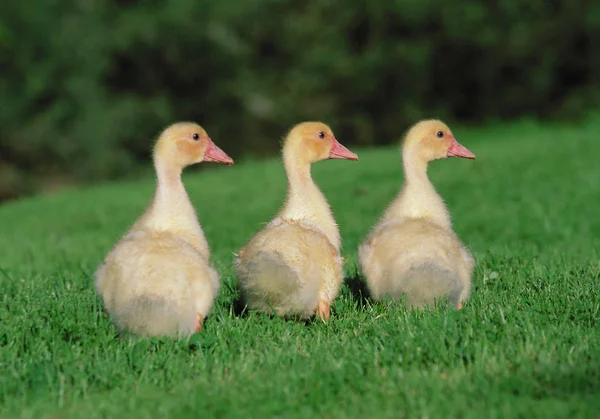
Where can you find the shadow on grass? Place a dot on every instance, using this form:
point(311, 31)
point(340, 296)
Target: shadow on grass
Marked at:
point(359, 291)
point(239, 307)
point(241, 310)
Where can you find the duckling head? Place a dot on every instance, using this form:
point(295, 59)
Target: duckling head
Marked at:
point(314, 141)
point(186, 143)
point(432, 140)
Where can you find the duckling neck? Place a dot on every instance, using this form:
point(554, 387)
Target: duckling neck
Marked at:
point(171, 209)
point(170, 197)
point(305, 202)
point(418, 198)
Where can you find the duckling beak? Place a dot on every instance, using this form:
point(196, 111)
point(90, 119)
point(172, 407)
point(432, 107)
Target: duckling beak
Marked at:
point(216, 155)
point(338, 151)
point(458, 150)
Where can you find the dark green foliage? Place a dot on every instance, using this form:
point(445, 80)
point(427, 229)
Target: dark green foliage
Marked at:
point(87, 85)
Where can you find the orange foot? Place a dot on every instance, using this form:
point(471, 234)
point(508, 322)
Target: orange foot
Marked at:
point(323, 310)
point(459, 305)
point(199, 320)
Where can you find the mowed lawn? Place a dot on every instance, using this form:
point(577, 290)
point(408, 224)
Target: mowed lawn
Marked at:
point(526, 344)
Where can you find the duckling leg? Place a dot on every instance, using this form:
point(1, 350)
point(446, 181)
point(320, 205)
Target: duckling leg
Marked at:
point(323, 310)
point(332, 281)
point(242, 252)
point(199, 320)
point(459, 305)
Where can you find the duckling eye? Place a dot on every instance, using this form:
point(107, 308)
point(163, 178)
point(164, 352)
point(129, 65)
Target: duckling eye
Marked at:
point(195, 137)
point(321, 135)
point(440, 134)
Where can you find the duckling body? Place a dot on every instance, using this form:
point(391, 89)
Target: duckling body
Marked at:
point(157, 283)
point(289, 268)
point(158, 279)
point(293, 266)
point(412, 252)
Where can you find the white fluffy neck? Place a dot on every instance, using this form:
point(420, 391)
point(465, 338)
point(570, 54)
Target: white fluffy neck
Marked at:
point(417, 198)
point(171, 209)
point(305, 202)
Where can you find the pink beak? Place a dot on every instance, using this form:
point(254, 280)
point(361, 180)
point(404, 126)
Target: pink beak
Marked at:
point(338, 151)
point(458, 150)
point(216, 155)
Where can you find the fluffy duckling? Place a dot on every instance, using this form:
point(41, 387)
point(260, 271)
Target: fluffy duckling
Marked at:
point(158, 279)
point(293, 266)
point(412, 251)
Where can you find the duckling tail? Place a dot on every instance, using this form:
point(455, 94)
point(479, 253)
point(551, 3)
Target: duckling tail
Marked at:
point(156, 316)
point(425, 284)
point(270, 284)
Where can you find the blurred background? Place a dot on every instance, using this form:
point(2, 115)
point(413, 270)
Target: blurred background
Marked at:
point(86, 85)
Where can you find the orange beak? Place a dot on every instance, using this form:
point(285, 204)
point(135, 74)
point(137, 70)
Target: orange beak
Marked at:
point(216, 155)
point(458, 150)
point(338, 151)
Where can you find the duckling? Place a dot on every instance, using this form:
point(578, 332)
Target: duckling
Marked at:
point(158, 279)
point(293, 266)
point(412, 250)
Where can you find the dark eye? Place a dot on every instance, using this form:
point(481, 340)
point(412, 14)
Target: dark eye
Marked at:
point(321, 135)
point(440, 134)
point(195, 137)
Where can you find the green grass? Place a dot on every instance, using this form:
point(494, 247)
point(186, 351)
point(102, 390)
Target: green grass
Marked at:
point(526, 344)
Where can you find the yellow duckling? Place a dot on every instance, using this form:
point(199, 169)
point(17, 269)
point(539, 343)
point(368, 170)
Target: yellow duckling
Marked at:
point(412, 250)
point(293, 266)
point(158, 279)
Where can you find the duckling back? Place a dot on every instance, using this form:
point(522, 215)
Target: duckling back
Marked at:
point(282, 269)
point(417, 260)
point(156, 283)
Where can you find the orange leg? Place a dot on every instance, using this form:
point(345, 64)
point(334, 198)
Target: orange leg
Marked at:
point(459, 305)
point(323, 310)
point(199, 320)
